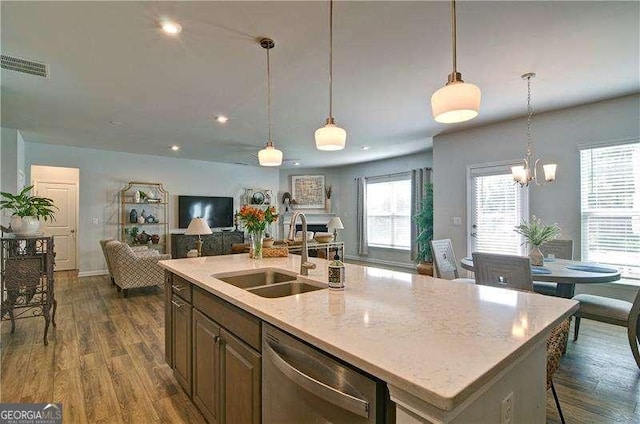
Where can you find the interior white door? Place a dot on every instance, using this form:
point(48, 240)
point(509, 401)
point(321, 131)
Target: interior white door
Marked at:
point(497, 206)
point(63, 228)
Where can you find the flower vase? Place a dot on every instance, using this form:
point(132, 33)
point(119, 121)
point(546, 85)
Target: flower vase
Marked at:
point(327, 205)
point(536, 257)
point(256, 245)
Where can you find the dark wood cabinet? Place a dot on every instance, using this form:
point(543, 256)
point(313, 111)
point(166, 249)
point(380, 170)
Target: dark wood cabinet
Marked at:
point(214, 350)
point(212, 244)
point(206, 366)
point(242, 377)
point(181, 337)
point(168, 322)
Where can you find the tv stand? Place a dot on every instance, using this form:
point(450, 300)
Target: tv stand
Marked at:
point(218, 243)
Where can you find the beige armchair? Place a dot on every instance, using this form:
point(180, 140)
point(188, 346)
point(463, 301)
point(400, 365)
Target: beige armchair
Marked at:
point(138, 250)
point(131, 270)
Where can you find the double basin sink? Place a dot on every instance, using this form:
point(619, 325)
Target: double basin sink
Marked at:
point(269, 283)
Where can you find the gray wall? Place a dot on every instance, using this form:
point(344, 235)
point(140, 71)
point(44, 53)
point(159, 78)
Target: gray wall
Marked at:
point(104, 173)
point(344, 199)
point(12, 163)
point(556, 138)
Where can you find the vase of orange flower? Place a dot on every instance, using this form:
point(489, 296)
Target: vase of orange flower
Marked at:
point(255, 221)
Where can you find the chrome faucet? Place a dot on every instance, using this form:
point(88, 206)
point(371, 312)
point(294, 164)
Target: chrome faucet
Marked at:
point(305, 265)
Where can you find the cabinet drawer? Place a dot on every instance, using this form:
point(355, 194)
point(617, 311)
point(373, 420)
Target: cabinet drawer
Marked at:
point(241, 323)
point(181, 288)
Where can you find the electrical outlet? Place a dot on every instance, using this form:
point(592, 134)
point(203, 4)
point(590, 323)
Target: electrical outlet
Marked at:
point(95, 221)
point(506, 410)
point(457, 221)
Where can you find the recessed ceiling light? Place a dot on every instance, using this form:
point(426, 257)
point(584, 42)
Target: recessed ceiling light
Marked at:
point(365, 147)
point(171, 28)
point(175, 147)
point(296, 163)
point(222, 119)
point(115, 123)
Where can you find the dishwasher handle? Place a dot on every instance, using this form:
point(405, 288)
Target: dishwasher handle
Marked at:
point(343, 400)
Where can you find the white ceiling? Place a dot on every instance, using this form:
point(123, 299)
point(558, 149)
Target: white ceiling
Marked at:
point(110, 62)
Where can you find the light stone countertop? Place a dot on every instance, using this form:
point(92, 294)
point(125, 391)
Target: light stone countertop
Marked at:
point(436, 339)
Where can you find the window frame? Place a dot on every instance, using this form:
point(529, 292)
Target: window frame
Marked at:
point(488, 169)
point(401, 176)
point(627, 271)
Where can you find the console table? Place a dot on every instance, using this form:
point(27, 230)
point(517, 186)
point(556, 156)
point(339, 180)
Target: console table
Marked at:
point(27, 289)
point(218, 243)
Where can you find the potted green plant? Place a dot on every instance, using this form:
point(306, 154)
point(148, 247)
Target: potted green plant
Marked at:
point(27, 210)
point(424, 220)
point(536, 235)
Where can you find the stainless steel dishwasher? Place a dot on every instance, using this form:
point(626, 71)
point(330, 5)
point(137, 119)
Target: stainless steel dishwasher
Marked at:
point(301, 385)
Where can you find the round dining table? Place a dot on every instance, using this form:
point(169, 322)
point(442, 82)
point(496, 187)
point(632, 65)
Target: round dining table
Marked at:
point(566, 273)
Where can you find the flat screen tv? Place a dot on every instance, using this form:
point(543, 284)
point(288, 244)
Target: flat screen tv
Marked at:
point(217, 211)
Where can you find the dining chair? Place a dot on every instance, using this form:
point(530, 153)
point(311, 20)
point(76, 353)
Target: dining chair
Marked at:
point(444, 261)
point(506, 271)
point(611, 311)
point(514, 272)
point(560, 249)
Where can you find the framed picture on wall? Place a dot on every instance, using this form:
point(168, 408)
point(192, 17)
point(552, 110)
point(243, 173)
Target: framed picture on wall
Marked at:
point(308, 191)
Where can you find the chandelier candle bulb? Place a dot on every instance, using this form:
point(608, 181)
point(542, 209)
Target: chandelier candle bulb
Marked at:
point(549, 172)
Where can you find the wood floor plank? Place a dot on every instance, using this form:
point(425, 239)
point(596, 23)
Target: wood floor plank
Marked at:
point(14, 364)
point(100, 397)
point(68, 390)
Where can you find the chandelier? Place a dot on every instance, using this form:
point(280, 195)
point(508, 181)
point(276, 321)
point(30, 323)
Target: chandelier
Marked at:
point(528, 171)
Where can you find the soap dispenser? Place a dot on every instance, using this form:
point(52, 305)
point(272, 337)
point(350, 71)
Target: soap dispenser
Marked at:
point(336, 273)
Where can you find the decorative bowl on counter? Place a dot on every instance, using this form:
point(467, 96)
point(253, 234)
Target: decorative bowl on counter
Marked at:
point(323, 237)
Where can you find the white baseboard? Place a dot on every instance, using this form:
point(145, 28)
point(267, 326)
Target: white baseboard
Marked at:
point(93, 273)
point(380, 262)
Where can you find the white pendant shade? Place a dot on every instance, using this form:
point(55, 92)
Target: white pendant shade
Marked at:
point(330, 137)
point(198, 226)
point(455, 102)
point(270, 156)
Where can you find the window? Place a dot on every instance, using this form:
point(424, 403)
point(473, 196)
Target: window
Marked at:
point(610, 206)
point(497, 206)
point(389, 212)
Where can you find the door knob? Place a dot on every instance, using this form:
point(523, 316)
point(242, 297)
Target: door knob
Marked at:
point(73, 231)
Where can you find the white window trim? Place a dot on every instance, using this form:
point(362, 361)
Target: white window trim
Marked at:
point(496, 168)
point(399, 176)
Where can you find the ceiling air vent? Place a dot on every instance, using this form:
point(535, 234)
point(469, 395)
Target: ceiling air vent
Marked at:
point(30, 67)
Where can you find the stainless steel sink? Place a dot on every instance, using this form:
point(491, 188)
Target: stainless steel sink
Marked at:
point(256, 278)
point(285, 289)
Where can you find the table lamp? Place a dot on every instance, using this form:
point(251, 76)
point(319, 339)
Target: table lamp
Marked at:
point(198, 227)
point(335, 224)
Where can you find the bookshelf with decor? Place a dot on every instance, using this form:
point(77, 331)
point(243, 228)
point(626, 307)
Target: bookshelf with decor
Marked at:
point(144, 215)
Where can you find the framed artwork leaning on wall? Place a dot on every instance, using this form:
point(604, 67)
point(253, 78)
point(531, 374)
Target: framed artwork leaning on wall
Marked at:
point(308, 191)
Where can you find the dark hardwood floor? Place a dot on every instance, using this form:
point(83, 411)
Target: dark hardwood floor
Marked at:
point(105, 363)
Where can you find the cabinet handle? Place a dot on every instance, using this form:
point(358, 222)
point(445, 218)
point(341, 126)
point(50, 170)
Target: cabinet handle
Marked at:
point(176, 287)
point(216, 339)
point(176, 303)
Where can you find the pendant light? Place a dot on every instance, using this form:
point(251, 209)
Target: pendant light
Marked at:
point(527, 172)
point(457, 101)
point(331, 136)
point(269, 156)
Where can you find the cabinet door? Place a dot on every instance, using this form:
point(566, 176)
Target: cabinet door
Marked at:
point(181, 323)
point(212, 244)
point(168, 325)
point(242, 374)
point(206, 366)
point(229, 239)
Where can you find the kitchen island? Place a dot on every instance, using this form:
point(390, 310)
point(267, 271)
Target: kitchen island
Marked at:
point(448, 352)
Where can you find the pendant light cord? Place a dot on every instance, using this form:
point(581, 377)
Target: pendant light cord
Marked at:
point(331, 59)
point(453, 35)
point(269, 142)
point(529, 115)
